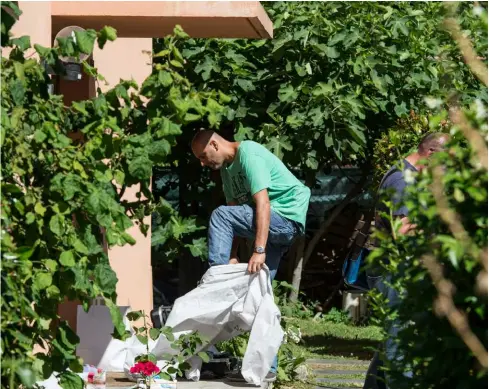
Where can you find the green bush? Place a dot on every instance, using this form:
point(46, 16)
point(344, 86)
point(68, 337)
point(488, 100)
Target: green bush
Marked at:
point(62, 198)
point(337, 316)
point(428, 343)
point(281, 290)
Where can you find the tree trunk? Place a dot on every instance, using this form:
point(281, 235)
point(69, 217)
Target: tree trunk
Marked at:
point(297, 274)
point(303, 257)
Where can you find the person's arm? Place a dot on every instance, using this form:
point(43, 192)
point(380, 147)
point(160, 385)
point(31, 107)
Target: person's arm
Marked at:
point(407, 226)
point(262, 226)
point(401, 210)
point(257, 174)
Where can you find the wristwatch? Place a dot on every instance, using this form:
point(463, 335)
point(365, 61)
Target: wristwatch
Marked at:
point(260, 250)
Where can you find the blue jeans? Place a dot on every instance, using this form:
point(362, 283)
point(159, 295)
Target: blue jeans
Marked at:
point(376, 378)
point(228, 222)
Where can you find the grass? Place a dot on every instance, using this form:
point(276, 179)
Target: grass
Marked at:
point(326, 340)
point(322, 339)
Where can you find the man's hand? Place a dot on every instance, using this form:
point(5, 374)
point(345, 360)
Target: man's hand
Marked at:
point(234, 261)
point(256, 262)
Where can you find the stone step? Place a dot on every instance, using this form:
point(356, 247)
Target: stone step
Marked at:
point(338, 372)
point(337, 362)
point(349, 381)
point(334, 387)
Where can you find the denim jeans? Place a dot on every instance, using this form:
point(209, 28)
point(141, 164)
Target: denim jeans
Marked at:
point(376, 378)
point(228, 222)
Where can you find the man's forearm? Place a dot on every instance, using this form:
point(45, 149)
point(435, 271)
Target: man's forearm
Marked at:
point(262, 223)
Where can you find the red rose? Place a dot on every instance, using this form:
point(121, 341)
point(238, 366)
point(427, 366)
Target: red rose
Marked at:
point(145, 368)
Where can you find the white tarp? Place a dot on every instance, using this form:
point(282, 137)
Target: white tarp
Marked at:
point(228, 302)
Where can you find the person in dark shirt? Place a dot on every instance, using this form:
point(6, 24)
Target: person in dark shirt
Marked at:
point(393, 187)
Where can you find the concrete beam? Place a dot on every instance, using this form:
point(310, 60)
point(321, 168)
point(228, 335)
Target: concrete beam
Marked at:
point(148, 19)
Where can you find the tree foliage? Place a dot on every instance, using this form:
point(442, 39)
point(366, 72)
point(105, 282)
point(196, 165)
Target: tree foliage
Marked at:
point(336, 76)
point(63, 195)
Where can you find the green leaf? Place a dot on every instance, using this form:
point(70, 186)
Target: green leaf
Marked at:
point(119, 177)
point(17, 91)
point(19, 71)
point(328, 140)
point(165, 78)
point(30, 218)
point(42, 51)
point(143, 339)
point(76, 365)
point(401, 109)
point(154, 333)
point(23, 43)
point(337, 38)
point(26, 374)
point(135, 315)
point(42, 280)
point(141, 167)
point(278, 144)
point(128, 238)
point(80, 247)
point(85, 40)
point(246, 85)
point(176, 63)
point(53, 291)
point(223, 98)
point(115, 313)
point(39, 136)
point(67, 46)
point(67, 259)
point(69, 380)
point(167, 128)
point(287, 93)
point(204, 356)
point(106, 34)
point(105, 278)
point(51, 265)
point(331, 52)
point(179, 33)
point(159, 148)
point(198, 248)
point(39, 209)
point(80, 107)
point(56, 225)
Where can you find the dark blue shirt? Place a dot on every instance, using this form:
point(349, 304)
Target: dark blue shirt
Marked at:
point(392, 189)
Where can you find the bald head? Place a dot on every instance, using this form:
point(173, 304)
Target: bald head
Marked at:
point(201, 139)
point(433, 143)
point(212, 149)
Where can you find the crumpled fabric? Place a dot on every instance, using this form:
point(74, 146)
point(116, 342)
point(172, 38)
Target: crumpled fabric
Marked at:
point(228, 302)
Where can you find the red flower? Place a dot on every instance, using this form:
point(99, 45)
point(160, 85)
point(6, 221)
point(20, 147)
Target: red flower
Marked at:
point(146, 369)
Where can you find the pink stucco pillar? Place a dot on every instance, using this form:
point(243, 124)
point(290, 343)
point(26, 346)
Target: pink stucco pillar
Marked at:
point(124, 59)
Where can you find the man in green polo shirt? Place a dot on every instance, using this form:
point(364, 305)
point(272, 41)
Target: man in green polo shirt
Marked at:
point(265, 202)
